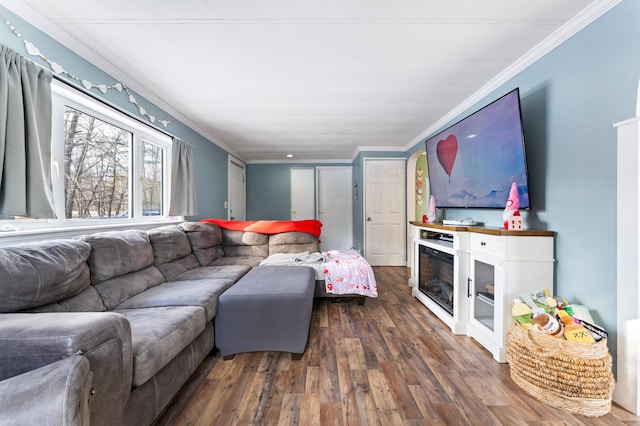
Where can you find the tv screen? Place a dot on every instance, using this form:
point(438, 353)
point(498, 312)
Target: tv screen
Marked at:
point(473, 163)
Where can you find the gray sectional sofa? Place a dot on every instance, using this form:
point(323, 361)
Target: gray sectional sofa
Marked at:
point(132, 311)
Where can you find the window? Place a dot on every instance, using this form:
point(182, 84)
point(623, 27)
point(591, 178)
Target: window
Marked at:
point(152, 180)
point(107, 167)
point(96, 167)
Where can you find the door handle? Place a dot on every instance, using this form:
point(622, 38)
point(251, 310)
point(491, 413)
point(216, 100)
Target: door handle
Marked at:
point(368, 219)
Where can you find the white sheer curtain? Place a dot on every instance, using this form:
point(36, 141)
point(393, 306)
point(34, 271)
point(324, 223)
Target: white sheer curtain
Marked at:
point(25, 137)
point(183, 185)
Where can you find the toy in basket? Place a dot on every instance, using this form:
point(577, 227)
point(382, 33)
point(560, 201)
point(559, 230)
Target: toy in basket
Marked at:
point(572, 375)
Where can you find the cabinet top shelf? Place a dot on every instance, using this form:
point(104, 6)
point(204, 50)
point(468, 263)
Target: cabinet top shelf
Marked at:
point(486, 230)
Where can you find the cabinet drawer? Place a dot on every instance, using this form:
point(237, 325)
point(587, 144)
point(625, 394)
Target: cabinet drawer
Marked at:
point(486, 244)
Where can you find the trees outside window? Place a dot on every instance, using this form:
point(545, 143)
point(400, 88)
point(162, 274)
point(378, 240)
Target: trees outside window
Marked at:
point(152, 196)
point(96, 167)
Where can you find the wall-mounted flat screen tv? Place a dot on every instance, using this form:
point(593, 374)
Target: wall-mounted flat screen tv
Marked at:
point(473, 163)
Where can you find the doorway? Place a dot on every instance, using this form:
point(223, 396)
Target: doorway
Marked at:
point(335, 207)
point(303, 193)
point(236, 191)
point(418, 195)
point(384, 212)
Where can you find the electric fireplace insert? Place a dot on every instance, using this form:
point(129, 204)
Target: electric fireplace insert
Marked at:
point(436, 276)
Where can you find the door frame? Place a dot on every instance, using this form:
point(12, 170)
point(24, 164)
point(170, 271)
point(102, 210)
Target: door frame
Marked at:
point(410, 201)
point(364, 200)
point(314, 187)
point(318, 187)
point(233, 162)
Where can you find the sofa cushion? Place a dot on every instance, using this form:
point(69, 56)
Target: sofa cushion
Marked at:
point(172, 251)
point(88, 300)
point(202, 234)
point(241, 243)
point(202, 292)
point(229, 272)
point(255, 251)
point(171, 270)
point(36, 274)
point(159, 334)
point(249, 261)
point(243, 238)
point(169, 243)
point(117, 253)
point(146, 402)
point(116, 290)
point(208, 255)
point(293, 242)
point(205, 240)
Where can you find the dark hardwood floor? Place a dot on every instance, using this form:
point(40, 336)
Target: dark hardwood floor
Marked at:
point(387, 362)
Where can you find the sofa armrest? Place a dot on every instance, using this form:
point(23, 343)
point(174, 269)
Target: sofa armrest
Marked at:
point(29, 341)
point(56, 393)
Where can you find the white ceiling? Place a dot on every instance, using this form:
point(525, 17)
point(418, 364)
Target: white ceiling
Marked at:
point(319, 79)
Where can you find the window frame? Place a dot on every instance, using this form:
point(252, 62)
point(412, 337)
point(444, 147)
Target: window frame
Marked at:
point(62, 96)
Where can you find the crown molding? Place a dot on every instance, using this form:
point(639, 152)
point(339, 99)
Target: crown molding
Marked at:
point(595, 10)
point(294, 162)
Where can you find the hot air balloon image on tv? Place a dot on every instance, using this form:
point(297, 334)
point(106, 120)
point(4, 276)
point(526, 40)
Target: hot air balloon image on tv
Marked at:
point(446, 150)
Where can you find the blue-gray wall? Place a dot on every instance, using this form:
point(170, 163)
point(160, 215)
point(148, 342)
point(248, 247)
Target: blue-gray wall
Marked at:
point(358, 205)
point(357, 175)
point(210, 160)
point(269, 189)
point(268, 192)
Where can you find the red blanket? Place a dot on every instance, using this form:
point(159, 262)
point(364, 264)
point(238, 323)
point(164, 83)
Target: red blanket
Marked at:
point(270, 226)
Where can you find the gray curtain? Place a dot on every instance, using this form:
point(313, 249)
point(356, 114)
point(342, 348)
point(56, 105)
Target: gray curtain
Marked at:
point(25, 138)
point(183, 185)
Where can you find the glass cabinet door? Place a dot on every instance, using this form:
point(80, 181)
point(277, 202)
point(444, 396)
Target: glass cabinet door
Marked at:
point(483, 282)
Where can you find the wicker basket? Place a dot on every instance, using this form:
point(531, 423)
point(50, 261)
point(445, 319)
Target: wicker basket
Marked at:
point(572, 376)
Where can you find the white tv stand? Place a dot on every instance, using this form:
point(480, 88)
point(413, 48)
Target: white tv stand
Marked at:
point(515, 262)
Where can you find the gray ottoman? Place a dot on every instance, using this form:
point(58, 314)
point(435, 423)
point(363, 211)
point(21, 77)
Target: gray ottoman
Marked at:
point(269, 309)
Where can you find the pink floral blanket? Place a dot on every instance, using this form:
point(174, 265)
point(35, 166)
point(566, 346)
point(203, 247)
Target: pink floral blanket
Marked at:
point(346, 272)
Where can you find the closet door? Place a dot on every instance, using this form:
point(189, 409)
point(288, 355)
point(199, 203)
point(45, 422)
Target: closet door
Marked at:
point(303, 193)
point(335, 207)
point(236, 191)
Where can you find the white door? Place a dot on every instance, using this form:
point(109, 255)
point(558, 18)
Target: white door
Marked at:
point(303, 194)
point(384, 206)
point(335, 207)
point(236, 204)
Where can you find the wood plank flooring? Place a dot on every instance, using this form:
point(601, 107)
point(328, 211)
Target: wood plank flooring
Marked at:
point(387, 362)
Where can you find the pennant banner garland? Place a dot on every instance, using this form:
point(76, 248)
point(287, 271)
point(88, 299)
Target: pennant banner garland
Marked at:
point(88, 85)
